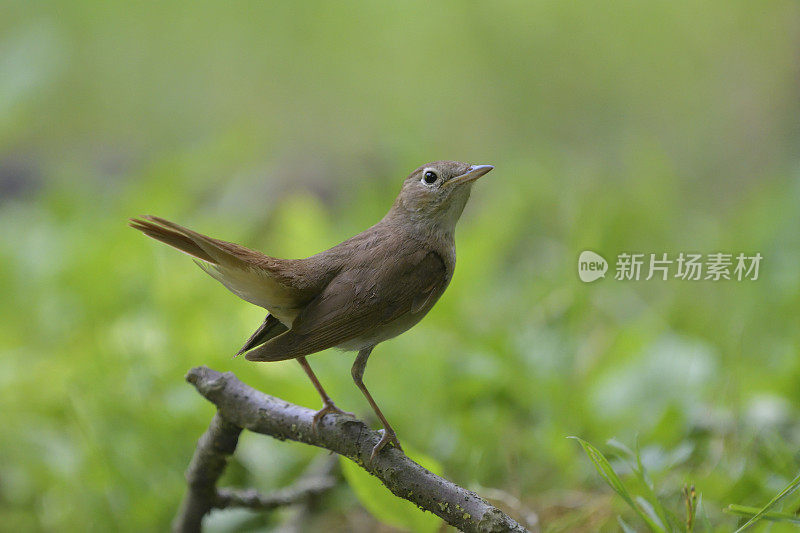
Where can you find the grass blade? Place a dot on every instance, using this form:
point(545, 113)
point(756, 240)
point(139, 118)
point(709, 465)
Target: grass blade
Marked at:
point(634, 461)
point(624, 525)
point(647, 507)
point(612, 479)
point(790, 488)
point(701, 510)
point(773, 516)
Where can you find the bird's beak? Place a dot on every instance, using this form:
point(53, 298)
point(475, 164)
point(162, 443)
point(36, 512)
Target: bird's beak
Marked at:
point(474, 172)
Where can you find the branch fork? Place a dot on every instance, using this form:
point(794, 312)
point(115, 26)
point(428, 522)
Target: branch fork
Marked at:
point(242, 407)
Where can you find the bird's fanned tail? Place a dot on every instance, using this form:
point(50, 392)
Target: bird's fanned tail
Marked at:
point(251, 275)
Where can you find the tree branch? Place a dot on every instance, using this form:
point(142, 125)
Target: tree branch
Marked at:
point(245, 407)
point(251, 499)
point(324, 467)
point(207, 464)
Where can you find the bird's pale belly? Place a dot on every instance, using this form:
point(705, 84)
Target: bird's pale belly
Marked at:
point(383, 332)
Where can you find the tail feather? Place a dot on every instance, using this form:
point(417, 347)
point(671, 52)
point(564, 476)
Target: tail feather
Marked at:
point(252, 276)
point(171, 237)
point(212, 247)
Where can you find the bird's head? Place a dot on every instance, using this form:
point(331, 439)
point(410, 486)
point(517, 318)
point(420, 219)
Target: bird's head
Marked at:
point(434, 195)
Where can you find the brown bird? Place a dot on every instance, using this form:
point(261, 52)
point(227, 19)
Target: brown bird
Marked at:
point(368, 289)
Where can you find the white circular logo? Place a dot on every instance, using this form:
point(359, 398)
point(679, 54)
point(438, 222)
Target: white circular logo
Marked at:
point(591, 266)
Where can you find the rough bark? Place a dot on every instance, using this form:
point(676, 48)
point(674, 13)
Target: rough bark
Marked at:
point(207, 464)
point(241, 406)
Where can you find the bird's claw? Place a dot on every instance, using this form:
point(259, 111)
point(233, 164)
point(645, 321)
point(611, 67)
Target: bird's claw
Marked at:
point(328, 407)
point(388, 437)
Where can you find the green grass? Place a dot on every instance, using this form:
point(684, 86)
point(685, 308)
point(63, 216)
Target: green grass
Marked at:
point(654, 509)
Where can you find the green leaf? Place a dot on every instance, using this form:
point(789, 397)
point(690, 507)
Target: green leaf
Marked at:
point(607, 472)
point(790, 488)
point(653, 506)
point(384, 505)
point(624, 525)
point(774, 516)
point(622, 449)
point(651, 496)
point(642, 472)
point(701, 512)
point(647, 508)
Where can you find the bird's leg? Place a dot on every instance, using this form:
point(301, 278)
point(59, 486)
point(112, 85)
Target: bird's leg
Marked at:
point(327, 404)
point(358, 374)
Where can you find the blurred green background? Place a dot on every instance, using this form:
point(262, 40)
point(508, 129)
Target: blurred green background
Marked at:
point(636, 126)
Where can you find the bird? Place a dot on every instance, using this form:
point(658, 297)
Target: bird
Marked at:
point(368, 289)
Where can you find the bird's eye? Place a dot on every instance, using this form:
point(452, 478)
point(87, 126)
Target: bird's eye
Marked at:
point(430, 177)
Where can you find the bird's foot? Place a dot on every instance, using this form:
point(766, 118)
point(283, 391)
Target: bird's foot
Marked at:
point(388, 437)
point(328, 407)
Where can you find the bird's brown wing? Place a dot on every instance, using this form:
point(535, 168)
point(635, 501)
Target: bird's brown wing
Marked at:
point(257, 278)
point(356, 302)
